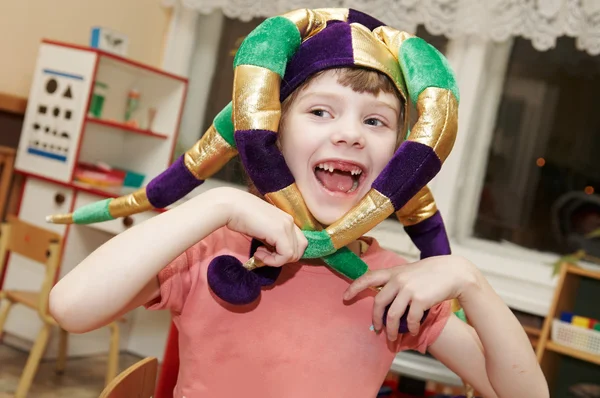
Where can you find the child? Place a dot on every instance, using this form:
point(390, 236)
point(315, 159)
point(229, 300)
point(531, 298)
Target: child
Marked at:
point(311, 334)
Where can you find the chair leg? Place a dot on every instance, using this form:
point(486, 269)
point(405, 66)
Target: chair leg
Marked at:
point(63, 348)
point(113, 354)
point(33, 361)
point(5, 306)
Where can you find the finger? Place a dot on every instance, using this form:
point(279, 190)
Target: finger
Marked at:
point(273, 259)
point(387, 295)
point(301, 242)
point(284, 247)
point(415, 314)
point(293, 237)
point(370, 278)
point(394, 314)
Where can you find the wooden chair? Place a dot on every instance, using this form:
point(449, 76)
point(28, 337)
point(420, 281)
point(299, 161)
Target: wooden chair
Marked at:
point(137, 381)
point(44, 247)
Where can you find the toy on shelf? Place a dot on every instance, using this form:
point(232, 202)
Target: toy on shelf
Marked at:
point(98, 97)
point(132, 104)
point(578, 332)
point(102, 175)
point(109, 40)
point(581, 321)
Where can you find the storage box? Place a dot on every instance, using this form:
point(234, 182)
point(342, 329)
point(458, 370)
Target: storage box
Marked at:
point(576, 337)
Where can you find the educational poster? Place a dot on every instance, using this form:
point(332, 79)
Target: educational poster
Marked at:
point(53, 126)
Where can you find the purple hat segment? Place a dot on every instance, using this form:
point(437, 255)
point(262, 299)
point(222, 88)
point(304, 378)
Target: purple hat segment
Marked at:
point(331, 48)
point(263, 160)
point(171, 185)
point(366, 20)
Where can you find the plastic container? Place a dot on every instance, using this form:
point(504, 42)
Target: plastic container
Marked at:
point(577, 337)
point(98, 98)
point(133, 101)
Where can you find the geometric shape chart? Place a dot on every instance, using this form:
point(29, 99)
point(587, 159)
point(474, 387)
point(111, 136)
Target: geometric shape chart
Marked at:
point(58, 95)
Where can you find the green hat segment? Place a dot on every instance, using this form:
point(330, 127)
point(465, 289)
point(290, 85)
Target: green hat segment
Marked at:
point(94, 212)
point(270, 45)
point(224, 124)
point(424, 66)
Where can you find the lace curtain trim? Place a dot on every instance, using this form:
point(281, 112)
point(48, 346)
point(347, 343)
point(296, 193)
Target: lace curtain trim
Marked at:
point(541, 21)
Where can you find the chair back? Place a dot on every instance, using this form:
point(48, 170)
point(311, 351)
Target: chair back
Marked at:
point(37, 244)
point(137, 381)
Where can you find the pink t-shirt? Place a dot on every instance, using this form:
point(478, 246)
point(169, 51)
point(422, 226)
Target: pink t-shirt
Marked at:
point(298, 340)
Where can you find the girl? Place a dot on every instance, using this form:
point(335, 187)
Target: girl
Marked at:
point(311, 334)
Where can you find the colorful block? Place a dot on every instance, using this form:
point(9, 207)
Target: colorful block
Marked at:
point(580, 321)
point(566, 316)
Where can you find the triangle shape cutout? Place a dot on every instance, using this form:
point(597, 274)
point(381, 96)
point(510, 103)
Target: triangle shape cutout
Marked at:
point(68, 93)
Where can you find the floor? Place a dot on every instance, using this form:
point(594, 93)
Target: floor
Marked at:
point(83, 378)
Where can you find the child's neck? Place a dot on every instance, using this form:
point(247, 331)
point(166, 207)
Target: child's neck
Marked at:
point(357, 247)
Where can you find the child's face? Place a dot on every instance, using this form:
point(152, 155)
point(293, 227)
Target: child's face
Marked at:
point(336, 142)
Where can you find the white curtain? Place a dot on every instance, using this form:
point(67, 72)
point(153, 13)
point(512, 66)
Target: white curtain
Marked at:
point(541, 21)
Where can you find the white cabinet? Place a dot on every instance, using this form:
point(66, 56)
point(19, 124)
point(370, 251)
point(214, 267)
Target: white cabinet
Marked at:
point(64, 130)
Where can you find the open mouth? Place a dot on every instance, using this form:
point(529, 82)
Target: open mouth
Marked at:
point(339, 176)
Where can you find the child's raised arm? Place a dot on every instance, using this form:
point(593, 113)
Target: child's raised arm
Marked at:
point(122, 274)
point(494, 356)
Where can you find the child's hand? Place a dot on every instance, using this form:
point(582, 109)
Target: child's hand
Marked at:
point(252, 216)
point(422, 284)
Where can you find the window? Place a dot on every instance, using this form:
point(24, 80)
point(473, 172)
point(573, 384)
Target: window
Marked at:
point(541, 181)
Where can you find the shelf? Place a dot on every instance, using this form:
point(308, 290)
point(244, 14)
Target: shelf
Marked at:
point(79, 186)
point(119, 59)
point(572, 269)
point(124, 127)
point(83, 187)
point(584, 356)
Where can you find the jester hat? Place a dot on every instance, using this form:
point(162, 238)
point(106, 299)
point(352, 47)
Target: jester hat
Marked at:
point(274, 60)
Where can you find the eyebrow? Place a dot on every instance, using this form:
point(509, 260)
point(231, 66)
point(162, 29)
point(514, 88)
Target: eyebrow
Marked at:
point(337, 97)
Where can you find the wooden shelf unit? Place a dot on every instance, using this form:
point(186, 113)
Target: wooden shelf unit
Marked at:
point(548, 352)
point(58, 133)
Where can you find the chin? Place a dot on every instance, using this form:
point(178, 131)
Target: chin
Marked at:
point(328, 216)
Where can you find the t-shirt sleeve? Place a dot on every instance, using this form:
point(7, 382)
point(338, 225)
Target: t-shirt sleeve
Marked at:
point(175, 281)
point(429, 331)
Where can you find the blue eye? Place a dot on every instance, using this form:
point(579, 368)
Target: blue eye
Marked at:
point(374, 122)
point(319, 112)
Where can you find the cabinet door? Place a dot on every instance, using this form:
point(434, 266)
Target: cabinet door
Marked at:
point(42, 198)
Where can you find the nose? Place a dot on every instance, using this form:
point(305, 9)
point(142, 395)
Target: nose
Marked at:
point(349, 134)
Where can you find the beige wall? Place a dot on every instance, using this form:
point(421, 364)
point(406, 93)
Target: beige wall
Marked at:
point(23, 23)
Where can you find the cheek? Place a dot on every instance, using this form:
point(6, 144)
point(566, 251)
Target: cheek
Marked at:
point(292, 150)
point(385, 151)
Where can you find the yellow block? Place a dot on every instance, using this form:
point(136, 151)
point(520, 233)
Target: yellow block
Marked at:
point(580, 321)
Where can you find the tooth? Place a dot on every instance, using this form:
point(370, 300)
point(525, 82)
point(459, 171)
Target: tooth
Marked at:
point(354, 186)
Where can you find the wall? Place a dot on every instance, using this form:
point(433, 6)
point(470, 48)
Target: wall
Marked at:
point(23, 23)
